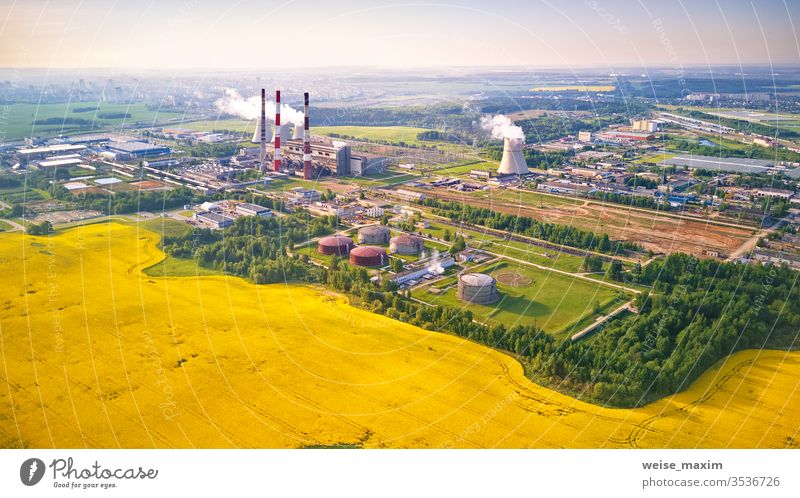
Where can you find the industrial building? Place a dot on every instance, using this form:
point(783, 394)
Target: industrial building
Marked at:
point(406, 244)
point(304, 194)
point(247, 209)
point(374, 234)
point(214, 220)
point(39, 152)
point(66, 162)
point(124, 150)
point(477, 288)
point(407, 195)
point(339, 245)
point(368, 256)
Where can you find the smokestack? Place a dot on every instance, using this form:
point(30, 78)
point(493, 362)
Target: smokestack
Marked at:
point(263, 128)
point(513, 162)
point(306, 141)
point(277, 154)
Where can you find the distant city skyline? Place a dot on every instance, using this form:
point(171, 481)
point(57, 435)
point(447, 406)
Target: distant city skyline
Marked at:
point(301, 33)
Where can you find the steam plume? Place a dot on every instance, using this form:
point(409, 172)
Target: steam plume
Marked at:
point(501, 127)
point(233, 103)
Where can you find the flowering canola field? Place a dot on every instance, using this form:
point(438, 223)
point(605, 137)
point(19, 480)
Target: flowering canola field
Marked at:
point(94, 353)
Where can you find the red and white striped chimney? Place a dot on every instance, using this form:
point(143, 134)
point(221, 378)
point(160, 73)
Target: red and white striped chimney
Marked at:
point(306, 141)
point(263, 149)
point(277, 155)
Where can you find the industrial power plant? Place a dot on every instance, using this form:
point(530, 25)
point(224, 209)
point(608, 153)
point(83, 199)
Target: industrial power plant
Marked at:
point(292, 150)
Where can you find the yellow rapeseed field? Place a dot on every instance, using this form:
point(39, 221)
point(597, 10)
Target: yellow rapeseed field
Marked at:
point(93, 353)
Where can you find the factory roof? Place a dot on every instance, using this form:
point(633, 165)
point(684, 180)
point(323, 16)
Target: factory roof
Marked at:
point(255, 208)
point(135, 146)
point(731, 164)
point(50, 148)
point(57, 163)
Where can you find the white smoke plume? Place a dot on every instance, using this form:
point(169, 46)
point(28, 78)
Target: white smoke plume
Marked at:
point(501, 127)
point(250, 108)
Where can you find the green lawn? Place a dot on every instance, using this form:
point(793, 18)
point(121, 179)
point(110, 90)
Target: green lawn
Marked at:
point(551, 301)
point(463, 168)
point(4, 226)
point(21, 117)
point(407, 134)
point(178, 267)
point(166, 227)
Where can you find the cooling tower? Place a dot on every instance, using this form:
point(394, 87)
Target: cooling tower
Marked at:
point(513, 162)
point(257, 133)
point(298, 132)
point(286, 132)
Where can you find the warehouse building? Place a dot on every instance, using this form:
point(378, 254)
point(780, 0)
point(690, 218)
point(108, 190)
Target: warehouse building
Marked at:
point(247, 209)
point(213, 220)
point(136, 149)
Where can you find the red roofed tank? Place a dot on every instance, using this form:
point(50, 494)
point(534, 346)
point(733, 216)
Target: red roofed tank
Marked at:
point(335, 244)
point(368, 256)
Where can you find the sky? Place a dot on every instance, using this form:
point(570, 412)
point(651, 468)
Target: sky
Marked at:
point(235, 34)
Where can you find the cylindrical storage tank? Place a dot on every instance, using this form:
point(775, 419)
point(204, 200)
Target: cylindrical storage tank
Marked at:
point(368, 256)
point(374, 234)
point(406, 244)
point(335, 244)
point(477, 288)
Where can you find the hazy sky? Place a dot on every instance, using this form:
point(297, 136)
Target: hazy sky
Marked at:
point(303, 33)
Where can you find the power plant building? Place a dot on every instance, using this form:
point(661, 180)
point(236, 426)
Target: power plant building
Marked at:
point(477, 288)
point(374, 234)
point(368, 256)
point(293, 149)
point(406, 244)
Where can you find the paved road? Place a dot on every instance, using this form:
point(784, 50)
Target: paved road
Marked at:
point(14, 226)
point(601, 321)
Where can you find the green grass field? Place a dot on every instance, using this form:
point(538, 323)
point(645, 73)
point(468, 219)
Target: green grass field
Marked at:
point(407, 134)
point(463, 169)
point(4, 226)
point(552, 301)
point(21, 117)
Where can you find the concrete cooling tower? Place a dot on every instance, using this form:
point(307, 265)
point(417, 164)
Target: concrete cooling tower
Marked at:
point(513, 162)
point(257, 133)
point(298, 132)
point(286, 132)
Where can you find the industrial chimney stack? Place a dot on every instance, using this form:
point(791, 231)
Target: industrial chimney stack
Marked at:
point(306, 140)
point(277, 155)
point(263, 128)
